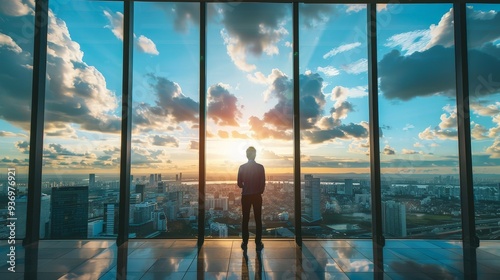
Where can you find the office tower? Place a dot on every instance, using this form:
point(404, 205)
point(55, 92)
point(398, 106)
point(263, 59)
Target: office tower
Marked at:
point(94, 228)
point(21, 208)
point(348, 187)
point(312, 197)
point(142, 212)
point(394, 219)
point(91, 180)
point(159, 220)
point(69, 212)
point(176, 177)
point(141, 188)
point(159, 177)
point(151, 179)
point(156, 177)
point(111, 218)
point(180, 177)
point(161, 187)
point(135, 198)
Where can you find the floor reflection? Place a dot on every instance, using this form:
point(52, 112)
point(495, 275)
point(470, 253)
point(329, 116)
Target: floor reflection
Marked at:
point(224, 259)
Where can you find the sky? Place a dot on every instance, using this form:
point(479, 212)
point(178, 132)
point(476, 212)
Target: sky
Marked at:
point(249, 66)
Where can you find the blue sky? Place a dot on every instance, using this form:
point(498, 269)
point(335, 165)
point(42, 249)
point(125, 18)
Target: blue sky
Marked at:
point(249, 87)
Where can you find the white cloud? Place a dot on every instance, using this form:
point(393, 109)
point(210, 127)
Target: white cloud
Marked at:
point(354, 8)
point(115, 23)
point(146, 45)
point(9, 43)
point(17, 7)
point(494, 149)
point(356, 67)
point(251, 29)
point(408, 127)
point(410, 42)
point(478, 131)
point(329, 71)
point(143, 43)
point(341, 49)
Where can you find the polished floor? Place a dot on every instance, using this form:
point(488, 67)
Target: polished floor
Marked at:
point(224, 259)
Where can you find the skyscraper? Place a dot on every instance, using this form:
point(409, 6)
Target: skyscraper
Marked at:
point(111, 218)
point(312, 195)
point(348, 187)
point(394, 218)
point(91, 180)
point(140, 188)
point(69, 212)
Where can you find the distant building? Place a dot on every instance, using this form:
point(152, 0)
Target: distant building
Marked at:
point(348, 187)
point(69, 212)
point(111, 218)
point(92, 180)
point(219, 229)
point(159, 220)
point(312, 195)
point(161, 187)
point(394, 219)
point(21, 208)
point(141, 188)
point(94, 228)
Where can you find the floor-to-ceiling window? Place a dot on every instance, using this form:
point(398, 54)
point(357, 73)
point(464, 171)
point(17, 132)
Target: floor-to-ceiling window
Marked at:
point(483, 40)
point(249, 103)
point(81, 155)
point(16, 48)
point(334, 121)
point(165, 120)
point(418, 121)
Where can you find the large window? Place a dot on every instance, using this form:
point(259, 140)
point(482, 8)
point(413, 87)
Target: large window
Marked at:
point(418, 122)
point(16, 48)
point(249, 103)
point(334, 121)
point(82, 120)
point(165, 119)
point(483, 35)
point(249, 97)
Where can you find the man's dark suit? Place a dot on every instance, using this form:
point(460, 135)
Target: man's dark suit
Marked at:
point(252, 180)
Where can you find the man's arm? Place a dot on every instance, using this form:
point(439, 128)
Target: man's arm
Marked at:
point(240, 179)
point(262, 182)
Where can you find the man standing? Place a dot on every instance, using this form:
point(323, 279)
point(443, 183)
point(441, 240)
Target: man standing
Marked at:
point(252, 181)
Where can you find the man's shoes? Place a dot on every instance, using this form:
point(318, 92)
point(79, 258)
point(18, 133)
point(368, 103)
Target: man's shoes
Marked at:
point(259, 246)
point(244, 246)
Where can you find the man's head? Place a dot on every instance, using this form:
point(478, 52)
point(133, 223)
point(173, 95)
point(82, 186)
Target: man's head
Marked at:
point(251, 153)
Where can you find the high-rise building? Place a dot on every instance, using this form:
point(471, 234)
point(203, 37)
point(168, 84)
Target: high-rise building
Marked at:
point(69, 212)
point(140, 188)
point(159, 177)
point(394, 218)
point(312, 197)
point(161, 187)
point(21, 208)
point(348, 187)
point(111, 218)
point(91, 180)
point(151, 179)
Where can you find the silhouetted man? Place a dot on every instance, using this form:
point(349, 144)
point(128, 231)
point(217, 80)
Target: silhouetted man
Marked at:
point(251, 179)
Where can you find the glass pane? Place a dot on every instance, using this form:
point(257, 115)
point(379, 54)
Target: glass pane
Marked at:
point(164, 189)
point(82, 120)
point(249, 103)
point(334, 122)
point(16, 49)
point(418, 120)
point(483, 36)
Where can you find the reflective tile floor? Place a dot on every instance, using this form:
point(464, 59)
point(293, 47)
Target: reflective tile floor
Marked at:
point(224, 259)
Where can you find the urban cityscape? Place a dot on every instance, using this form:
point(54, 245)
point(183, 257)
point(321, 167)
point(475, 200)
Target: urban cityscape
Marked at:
point(333, 206)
